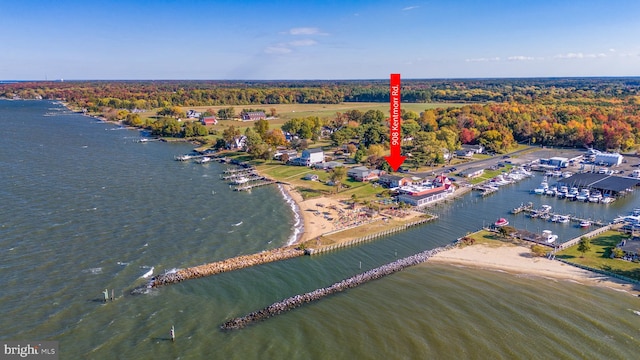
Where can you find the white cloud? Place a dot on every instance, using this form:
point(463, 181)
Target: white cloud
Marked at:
point(305, 42)
point(306, 31)
point(483, 59)
point(612, 50)
point(410, 8)
point(277, 50)
point(520, 58)
point(579, 56)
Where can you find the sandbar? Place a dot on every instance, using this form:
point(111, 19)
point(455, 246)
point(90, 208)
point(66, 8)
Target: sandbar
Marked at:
point(518, 259)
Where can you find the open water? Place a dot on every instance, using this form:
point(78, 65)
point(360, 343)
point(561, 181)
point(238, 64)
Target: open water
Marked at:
point(84, 208)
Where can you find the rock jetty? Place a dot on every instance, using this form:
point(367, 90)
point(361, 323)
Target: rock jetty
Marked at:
point(301, 299)
point(230, 264)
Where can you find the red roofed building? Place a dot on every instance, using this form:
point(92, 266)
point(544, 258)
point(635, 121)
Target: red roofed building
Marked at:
point(209, 120)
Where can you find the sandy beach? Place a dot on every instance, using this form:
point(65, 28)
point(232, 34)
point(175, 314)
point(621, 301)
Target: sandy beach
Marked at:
point(518, 259)
point(321, 215)
point(314, 212)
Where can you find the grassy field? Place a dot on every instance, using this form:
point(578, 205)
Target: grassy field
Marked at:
point(286, 112)
point(598, 256)
point(294, 175)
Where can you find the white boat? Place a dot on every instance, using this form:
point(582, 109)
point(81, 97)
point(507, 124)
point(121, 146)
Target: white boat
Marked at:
point(552, 191)
point(595, 196)
point(583, 195)
point(501, 222)
point(607, 199)
point(204, 160)
point(563, 219)
point(183, 157)
point(241, 180)
point(585, 223)
point(544, 186)
point(573, 192)
point(549, 237)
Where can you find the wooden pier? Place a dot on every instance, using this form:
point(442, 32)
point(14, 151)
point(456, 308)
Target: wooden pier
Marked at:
point(239, 170)
point(485, 189)
point(545, 214)
point(254, 184)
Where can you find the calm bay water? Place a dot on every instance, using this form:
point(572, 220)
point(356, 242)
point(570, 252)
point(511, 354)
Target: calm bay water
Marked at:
point(83, 208)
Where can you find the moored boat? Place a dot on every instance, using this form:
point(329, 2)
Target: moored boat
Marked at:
point(585, 223)
point(501, 222)
point(549, 237)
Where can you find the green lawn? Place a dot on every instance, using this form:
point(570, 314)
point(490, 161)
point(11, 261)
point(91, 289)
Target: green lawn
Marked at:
point(489, 174)
point(598, 256)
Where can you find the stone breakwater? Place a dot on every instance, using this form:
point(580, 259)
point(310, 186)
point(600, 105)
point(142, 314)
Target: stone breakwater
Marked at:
point(230, 264)
point(359, 279)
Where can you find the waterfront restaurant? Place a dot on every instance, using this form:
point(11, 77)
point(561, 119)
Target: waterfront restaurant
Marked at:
point(420, 195)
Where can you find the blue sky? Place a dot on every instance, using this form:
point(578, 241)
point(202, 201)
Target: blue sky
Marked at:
point(199, 39)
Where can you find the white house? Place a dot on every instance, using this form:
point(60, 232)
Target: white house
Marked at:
point(312, 156)
point(477, 149)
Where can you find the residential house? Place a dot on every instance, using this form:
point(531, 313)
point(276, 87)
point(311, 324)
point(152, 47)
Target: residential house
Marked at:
point(312, 156)
point(465, 153)
point(192, 114)
point(253, 116)
point(393, 181)
point(209, 120)
point(292, 154)
point(472, 172)
point(362, 173)
point(477, 149)
point(239, 142)
point(311, 177)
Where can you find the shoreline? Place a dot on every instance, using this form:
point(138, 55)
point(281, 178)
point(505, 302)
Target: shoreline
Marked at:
point(517, 259)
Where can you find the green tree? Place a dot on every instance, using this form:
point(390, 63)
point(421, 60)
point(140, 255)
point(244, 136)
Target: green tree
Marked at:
point(230, 133)
point(584, 245)
point(227, 113)
point(337, 176)
point(261, 127)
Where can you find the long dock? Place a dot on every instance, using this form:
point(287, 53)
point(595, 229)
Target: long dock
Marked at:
point(547, 214)
point(253, 184)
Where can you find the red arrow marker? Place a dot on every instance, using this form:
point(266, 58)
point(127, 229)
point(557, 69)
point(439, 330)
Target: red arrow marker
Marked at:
point(395, 160)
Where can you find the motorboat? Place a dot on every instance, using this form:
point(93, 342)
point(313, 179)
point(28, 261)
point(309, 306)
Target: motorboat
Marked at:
point(501, 222)
point(563, 219)
point(585, 223)
point(573, 192)
point(552, 191)
point(549, 237)
point(204, 160)
point(241, 180)
point(583, 195)
point(595, 196)
point(544, 186)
